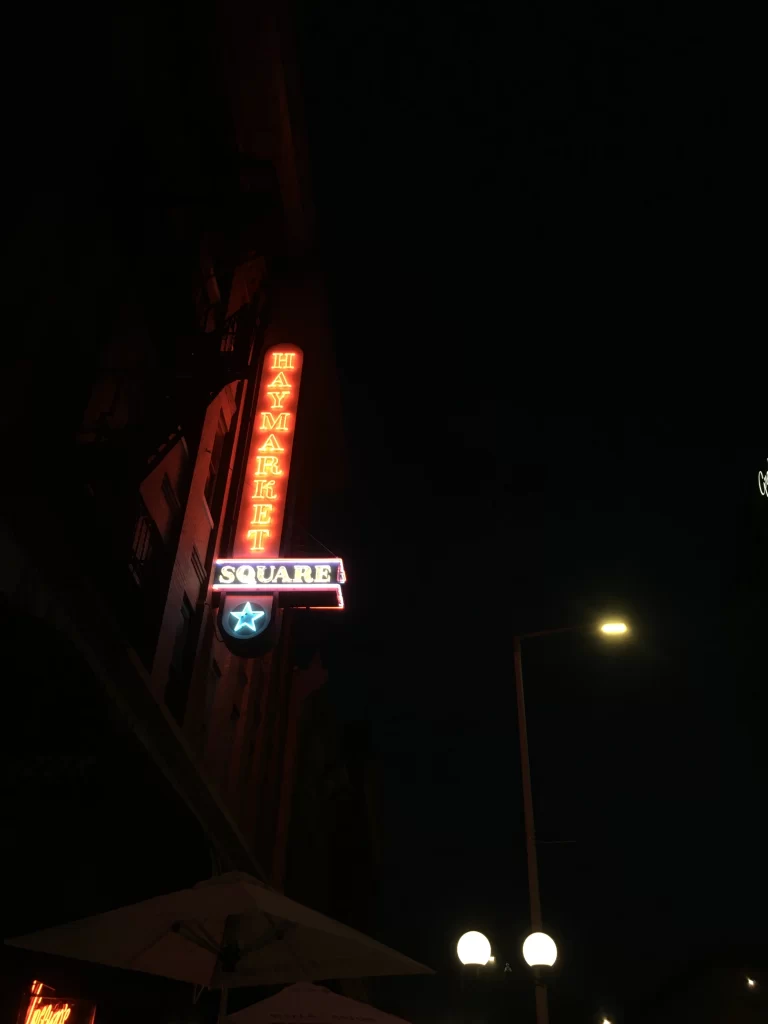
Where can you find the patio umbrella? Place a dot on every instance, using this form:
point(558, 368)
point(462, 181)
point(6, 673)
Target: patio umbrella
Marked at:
point(229, 931)
point(310, 1004)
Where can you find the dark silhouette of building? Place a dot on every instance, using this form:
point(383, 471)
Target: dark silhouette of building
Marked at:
point(138, 753)
point(728, 988)
point(334, 852)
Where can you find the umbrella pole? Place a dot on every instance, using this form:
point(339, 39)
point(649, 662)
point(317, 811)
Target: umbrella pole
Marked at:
point(223, 1004)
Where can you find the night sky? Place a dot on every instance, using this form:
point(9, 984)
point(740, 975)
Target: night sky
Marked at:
point(525, 222)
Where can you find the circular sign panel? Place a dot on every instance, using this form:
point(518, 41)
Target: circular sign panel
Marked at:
point(245, 619)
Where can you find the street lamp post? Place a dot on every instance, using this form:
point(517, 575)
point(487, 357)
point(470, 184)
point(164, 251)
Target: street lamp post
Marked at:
point(542, 1014)
point(608, 629)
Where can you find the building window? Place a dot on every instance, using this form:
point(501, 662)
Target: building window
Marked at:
point(142, 547)
point(251, 728)
point(256, 691)
point(211, 686)
point(170, 497)
point(215, 463)
point(177, 690)
point(228, 336)
point(182, 633)
point(200, 570)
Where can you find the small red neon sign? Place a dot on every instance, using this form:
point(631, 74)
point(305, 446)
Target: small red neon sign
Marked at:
point(43, 1007)
point(260, 523)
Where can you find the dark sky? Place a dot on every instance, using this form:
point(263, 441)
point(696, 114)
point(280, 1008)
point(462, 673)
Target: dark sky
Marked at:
point(529, 217)
point(525, 220)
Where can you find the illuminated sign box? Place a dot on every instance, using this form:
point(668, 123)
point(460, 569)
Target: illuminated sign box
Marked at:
point(309, 582)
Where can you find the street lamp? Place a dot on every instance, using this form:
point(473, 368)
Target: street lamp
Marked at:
point(613, 628)
point(474, 948)
point(539, 950)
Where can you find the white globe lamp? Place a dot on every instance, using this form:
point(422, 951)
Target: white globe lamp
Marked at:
point(539, 950)
point(474, 948)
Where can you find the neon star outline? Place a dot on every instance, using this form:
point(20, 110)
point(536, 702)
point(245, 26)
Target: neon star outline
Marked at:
point(254, 613)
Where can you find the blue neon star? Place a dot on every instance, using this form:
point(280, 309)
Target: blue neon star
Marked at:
point(247, 617)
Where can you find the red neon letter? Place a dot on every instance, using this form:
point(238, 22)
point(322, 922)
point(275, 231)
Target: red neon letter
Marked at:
point(277, 398)
point(270, 422)
point(283, 360)
point(262, 515)
point(271, 445)
point(268, 465)
point(264, 488)
point(258, 539)
point(280, 381)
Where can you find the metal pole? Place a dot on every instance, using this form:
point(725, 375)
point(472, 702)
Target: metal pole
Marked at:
point(222, 1004)
point(542, 1015)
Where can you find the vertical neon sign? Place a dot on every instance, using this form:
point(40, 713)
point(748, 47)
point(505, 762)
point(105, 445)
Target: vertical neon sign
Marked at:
point(260, 522)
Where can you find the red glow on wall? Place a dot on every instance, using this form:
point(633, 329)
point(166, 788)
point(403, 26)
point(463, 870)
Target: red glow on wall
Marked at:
point(260, 522)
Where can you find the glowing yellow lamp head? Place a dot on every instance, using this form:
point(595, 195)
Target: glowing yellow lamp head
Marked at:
point(474, 948)
point(614, 628)
point(539, 950)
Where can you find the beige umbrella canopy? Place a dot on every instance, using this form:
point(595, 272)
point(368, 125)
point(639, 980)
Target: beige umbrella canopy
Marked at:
point(226, 932)
point(310, 1004)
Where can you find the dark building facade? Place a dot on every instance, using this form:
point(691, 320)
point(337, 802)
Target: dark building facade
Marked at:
point(711, 992)
point(334, 818)
point(139, 754)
